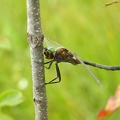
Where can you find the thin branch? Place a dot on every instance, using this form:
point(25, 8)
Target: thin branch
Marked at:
point(105, 67)
point(35, 39)
point(110, 3)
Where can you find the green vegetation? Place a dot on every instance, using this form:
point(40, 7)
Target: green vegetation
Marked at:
point(85, 27)
point(9, 98)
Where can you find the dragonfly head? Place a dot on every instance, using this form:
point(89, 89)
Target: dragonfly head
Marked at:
point(48, 53)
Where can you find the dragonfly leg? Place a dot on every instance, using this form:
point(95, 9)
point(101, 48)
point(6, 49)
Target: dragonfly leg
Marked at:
point(49, 64)
point(58, 76)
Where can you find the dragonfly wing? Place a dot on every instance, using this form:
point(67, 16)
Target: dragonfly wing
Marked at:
point(51, 44)
point(88, 69)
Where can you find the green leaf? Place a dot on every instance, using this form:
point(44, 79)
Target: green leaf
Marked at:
point(10, 98)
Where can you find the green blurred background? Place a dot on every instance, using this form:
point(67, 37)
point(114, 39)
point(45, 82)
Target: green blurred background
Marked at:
point(85, 27)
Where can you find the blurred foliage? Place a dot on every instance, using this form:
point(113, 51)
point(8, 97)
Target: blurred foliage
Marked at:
point(85, 27)
point(9, 98)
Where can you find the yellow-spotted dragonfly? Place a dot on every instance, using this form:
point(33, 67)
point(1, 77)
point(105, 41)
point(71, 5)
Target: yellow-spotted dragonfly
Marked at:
point(57, 53)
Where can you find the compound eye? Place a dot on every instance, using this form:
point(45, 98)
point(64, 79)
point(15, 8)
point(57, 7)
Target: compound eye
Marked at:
point(46, 54)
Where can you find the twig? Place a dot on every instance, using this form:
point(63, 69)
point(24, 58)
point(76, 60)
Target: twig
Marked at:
point(105, 67)
point(35, 39)
point(110, 3)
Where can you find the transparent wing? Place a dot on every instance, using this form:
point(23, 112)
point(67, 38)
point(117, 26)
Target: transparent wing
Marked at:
point(88, 69)
point(51, 44)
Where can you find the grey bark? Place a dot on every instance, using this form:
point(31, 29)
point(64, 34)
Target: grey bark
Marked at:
point(35, 39)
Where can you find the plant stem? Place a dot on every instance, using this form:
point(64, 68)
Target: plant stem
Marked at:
point(35, 39)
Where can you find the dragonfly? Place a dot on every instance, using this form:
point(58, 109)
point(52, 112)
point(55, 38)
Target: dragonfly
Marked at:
point(56, 53)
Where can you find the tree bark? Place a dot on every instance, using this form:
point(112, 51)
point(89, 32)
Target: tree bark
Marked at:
point(35, 39)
